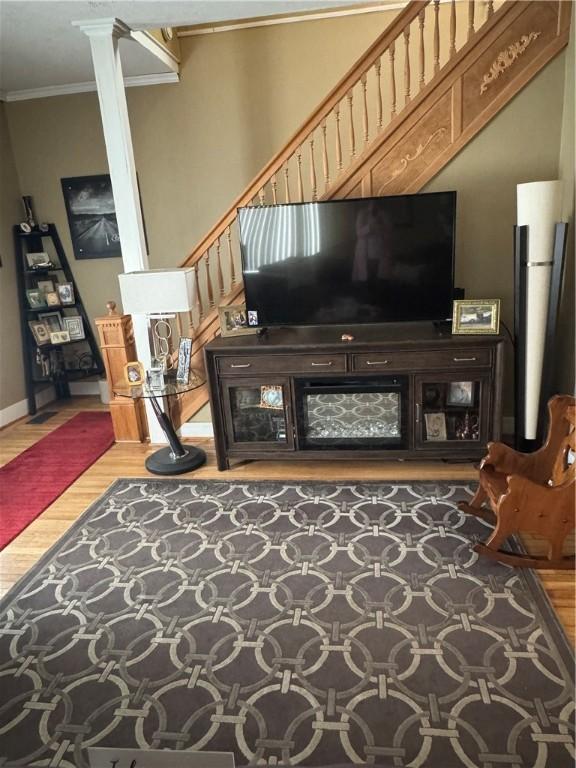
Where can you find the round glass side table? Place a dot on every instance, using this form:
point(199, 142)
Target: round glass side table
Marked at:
point(176, 458)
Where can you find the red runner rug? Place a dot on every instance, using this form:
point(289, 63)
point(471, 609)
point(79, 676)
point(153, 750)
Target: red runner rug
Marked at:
point(34, 479)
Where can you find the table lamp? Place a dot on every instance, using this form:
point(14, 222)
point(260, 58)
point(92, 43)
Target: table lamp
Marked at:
point(160, 294)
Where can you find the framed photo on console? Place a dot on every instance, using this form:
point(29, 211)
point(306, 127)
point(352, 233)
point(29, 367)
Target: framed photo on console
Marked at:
point(184, 355)
point(435, 426)
point(476, 316)
point(234, 320)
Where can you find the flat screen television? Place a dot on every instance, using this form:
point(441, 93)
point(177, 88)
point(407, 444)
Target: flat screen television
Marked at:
point(368, 260)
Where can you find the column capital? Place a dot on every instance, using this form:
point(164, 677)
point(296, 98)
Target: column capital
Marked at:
point(111, 27)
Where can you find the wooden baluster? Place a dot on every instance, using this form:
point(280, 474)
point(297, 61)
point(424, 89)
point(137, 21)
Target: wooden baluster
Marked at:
point(338, 138)
point(231, 256)
point(219, 272)
point(406, 65)
point(349, 97)
point(364, 82)
point(470, 18)
point(378, 69)
point(422, 61)
point(436, 37)
point(261, 199)
point(274, 184)
point(391, 52)
point(452, 28)
point(209, 288)
point(286, 182)
point(198, 294)
point(312, 170)
point(300, 184)
point(489, 9)
point(325, 166)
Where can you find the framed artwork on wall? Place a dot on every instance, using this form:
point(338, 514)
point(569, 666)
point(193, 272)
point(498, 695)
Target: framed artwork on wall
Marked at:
point(91, 216)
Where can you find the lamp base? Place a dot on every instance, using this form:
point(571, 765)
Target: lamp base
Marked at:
point(164, 462)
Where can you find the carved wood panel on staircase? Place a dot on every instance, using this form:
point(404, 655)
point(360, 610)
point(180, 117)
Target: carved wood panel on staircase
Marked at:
point(433, 79)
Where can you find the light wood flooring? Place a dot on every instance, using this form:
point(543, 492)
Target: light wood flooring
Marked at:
point(127, 460)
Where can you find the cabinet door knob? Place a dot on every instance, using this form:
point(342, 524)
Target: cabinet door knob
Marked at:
point(240, 365)
point(376, 362)
point(464, 359)
point(324, 364)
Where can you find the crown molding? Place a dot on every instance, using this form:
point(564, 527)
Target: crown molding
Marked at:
point(89, 87)
point(148, 41)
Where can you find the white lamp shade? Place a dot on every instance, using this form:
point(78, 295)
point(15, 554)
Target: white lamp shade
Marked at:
point(157, 291)
point(539, 207)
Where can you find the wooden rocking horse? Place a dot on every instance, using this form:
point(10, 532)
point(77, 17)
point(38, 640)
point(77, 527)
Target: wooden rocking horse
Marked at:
point(531, 492)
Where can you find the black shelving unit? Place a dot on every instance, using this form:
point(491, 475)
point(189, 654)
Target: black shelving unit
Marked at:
point(63, 363)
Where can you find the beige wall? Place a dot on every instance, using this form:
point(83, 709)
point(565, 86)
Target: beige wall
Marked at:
point(521, 144)
point(12, 388)
point(242, 94)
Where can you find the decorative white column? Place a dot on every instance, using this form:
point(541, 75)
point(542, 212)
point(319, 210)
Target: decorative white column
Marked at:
point(104, 35)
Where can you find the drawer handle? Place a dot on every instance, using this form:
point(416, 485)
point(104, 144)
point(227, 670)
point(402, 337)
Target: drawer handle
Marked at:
point(240, 365)
point(323, 364)
point(464, 359)
point(376, 362)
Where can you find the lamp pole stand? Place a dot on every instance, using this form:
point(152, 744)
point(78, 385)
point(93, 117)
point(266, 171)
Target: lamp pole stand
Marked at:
point(176, 458)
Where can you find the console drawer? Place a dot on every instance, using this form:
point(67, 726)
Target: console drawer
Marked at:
point(309, 363)
point(423, 360)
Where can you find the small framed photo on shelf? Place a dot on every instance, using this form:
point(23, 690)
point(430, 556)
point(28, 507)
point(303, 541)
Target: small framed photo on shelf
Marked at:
point(75, 327)
point(52, 321)
point(184, 356)
point(36, 298)
point(46, 286)
point(52, 299)
point(40, 332)
point(134, 373)
point(59, 337)
point(234, 320)
point(435, 426)
point(38, 260)
point(476, 316)
point(66, 293)
point(460, 393)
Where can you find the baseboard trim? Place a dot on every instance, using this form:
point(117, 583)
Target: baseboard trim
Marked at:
point(84, 388)
point(197, 429)
point(19, 410)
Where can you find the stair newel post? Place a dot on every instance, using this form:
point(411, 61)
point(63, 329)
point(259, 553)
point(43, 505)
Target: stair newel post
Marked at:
point(219, 272)
point(274, 185)
point(391, 53)
point(406, 65)
point(422, 59)
point(287, 182)
point(378, 69)
point(436, 37)
point(452, 28)
point(299, 176)
point(231, 254)
point(312, 170)
point(364, 82)
point(338, 138)
point(198, 294)
point(209, 289)
point(470, 18)
point(325, 166)
point(349, 98)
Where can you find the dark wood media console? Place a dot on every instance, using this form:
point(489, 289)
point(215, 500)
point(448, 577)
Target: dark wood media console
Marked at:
point(395, 391)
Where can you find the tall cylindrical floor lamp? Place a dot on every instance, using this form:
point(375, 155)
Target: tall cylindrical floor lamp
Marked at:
point(539, 250)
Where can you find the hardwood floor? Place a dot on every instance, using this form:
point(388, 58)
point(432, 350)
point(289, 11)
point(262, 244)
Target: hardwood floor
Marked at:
point(127, 460)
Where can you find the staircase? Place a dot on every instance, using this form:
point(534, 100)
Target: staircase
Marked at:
point(434, 78)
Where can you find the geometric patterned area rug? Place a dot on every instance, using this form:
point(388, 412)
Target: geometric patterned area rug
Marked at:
point(290, 623)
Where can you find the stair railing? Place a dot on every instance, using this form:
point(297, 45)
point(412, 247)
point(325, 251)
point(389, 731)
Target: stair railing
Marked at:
point(373, 94)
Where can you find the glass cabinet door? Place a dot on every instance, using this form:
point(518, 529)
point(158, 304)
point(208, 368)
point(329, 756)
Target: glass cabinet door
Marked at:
point(257, 413)
point(451, 408)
